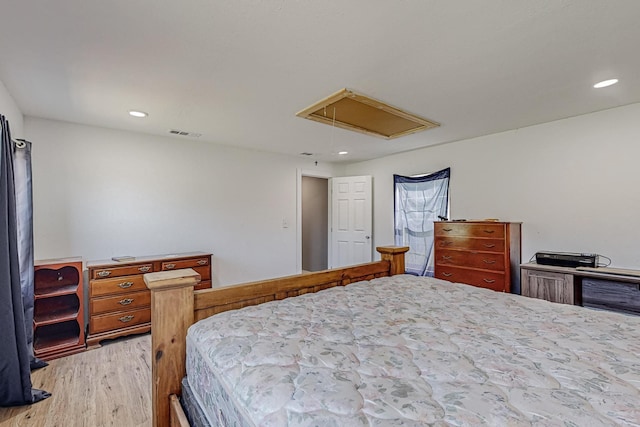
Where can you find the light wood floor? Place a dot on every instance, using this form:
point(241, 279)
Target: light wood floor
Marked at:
point(108, 386)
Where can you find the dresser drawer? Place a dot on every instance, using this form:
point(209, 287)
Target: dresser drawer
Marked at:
point(470, 243)
point(200, 265)
point(204, 272)
point(185, 263)
point(482, 260)
point(205, 284)
point(116, 286)
point(121, 302)
point(470, 229)
point(126, 270)
point(480, 278)
point(122, 319)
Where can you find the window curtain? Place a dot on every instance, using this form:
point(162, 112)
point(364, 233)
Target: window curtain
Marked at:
point(15, 369)
point(419, 201)
point(24, 213)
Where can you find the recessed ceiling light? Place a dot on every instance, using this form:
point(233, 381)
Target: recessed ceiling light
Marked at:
point(605, 83)
point(135, 113)
point(342, 153)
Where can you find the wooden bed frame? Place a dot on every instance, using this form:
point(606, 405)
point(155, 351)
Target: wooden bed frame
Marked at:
point(175, 306)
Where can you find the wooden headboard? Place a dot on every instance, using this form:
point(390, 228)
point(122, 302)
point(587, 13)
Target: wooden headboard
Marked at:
point(175, 306)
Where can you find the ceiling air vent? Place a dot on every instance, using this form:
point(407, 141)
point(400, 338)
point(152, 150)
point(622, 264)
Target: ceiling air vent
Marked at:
point(353, 111)
point(185, 133)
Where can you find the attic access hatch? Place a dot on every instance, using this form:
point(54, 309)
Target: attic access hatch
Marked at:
point(353, 111)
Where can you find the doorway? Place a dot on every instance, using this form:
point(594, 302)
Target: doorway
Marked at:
point(315, 221)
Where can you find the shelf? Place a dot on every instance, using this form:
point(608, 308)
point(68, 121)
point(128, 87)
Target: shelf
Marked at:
point(58, 312)
point(57, 335)
point(56, 309)
point(53, 282)
point(610, 295)
point(55, 292)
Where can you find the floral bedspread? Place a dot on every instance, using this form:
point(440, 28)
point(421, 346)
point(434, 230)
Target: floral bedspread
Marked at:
point(415, 351)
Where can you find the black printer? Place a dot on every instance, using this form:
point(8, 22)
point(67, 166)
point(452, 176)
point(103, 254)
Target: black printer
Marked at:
point(567, 259)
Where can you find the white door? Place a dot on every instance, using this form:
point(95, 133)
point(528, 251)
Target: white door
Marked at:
point(350, 221)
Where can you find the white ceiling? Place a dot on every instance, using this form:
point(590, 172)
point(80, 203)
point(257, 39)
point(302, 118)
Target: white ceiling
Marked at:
point(237, 71)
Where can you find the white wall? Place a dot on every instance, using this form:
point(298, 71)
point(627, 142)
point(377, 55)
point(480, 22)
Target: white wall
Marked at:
point(9, 109)
point(100, 193)
point(573, 183)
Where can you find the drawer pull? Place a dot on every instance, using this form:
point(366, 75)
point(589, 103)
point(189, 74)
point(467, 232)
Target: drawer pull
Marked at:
point(447, 258)
point(202, 262)
point(489, 231)
point(144, 268)
point(169, 266)
point(489, 261)
point(447, 229)
point(103, 273)
point(125, 319)
point(489, 245)
point(489, 280)
point(445, 274)
point(125, 285)
point(445, 243)
point(125, 301)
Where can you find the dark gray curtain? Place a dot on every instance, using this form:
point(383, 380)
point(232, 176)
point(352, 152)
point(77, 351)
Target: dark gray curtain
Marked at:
point(24, 213)
point(418, 202)
point(15, 370)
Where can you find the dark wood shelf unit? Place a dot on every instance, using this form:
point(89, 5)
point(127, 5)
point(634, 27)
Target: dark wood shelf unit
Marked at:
point(58, 320)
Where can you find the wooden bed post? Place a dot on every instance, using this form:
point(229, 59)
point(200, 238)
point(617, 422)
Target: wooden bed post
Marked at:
point(395, 255)
point(171, 315)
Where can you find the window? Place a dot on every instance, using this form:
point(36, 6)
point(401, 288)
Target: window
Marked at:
point(419, 201)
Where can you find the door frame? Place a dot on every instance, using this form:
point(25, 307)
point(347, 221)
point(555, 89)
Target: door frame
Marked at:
point(314, 174)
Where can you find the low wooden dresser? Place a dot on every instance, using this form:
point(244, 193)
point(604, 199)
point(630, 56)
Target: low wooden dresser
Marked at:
point(604, 288)
point(119, 301)
point(480, 253)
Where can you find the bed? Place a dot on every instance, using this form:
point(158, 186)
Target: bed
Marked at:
point(390, 349)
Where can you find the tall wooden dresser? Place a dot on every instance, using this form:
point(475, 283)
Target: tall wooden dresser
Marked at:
point(119, 301)
point(480, 253)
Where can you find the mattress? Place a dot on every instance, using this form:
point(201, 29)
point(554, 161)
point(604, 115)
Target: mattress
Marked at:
point(191, 406)
point(411, 351)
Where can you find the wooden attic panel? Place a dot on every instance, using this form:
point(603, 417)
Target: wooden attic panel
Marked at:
point(356, 112)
